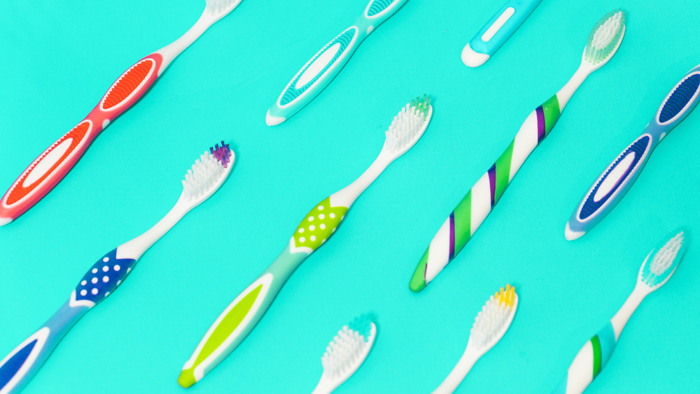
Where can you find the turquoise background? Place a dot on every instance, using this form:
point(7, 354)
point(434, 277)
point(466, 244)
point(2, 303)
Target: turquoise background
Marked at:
point(58, 58)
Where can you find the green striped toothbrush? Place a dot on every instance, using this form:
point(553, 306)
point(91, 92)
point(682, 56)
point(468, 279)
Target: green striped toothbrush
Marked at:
point(460, 226)
point(239, 318)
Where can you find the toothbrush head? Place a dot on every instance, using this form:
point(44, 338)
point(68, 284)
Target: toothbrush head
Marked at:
point(605, 38)
point(494, 320)
point(220, 8)
point(207, 174)
point(655, 272)
point(347, 351)
point(408, 126)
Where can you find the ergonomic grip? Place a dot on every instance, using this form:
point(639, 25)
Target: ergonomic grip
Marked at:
point(318, 72)
point(20, 366)
point(589, 361)
point(466, 218)
point(497, 31)
point(240, 317)
point(612, 185)
point(47, 170)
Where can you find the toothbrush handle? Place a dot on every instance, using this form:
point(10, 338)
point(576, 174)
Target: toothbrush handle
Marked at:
point(20, 366)
point(318, 72)
point(47, 170)
point(589, 361)
point(612, 185)
point(502, 25)
point(458, 373)
point(609, 188)
point(240, 317)
point(466, 218)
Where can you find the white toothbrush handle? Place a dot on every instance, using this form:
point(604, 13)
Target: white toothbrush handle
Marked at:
point(459, 372)
point(596, 352)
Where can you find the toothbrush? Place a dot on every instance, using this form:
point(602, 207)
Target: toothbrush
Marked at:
point(620, 175)
point(47, 170)
point(460, 226)
point(489, 327)
point(20, 366)
point(318, 72)
point(345, 354)
point(497, 31)
point(595, 354)
point(241, 316)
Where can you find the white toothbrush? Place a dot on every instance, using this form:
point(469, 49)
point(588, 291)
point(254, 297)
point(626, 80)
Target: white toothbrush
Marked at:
point(489, 327)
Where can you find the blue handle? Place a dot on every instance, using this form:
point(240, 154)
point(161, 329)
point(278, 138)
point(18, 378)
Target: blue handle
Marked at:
point(492, 36)
point(318, 72)
point(20, 366)
point(607, 191)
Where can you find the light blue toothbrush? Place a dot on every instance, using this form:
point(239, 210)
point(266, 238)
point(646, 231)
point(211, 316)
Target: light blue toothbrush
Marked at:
point(619, 176)
point(318, 72)
point(497, 31)
point(105, 276)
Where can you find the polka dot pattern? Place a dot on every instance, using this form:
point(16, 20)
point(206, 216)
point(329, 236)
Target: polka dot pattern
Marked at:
point(317, 227)
point(103, 278)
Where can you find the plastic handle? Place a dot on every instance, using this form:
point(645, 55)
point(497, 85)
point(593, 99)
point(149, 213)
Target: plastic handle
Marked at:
point(589, 361)
point(240, 317)
point(619, 176)
point(47, 170)
point(466, 218)
point(318, 72)
point(502, 25)
point(20, 366)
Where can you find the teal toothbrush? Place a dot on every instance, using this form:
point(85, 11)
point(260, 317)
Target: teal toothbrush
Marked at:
point(241, 316)
point(318, 72)
point(656, 270)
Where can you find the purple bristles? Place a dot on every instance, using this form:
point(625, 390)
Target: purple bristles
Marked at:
point(221, 153)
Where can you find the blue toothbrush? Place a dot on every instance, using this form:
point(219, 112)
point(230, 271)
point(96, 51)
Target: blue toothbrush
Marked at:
point(318, 72)
point(20, 366)
point(619, 176)
point(497, 31)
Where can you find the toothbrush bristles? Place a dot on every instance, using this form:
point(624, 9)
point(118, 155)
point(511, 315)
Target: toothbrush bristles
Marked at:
point(491, 320)
point(408, 124)
point(206, 172)
point(605, 36)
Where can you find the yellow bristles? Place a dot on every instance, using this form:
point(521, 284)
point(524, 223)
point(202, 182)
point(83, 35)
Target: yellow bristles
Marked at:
point(507, 296)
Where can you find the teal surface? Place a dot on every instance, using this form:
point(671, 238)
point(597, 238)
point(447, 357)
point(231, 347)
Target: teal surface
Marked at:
point(58, 58)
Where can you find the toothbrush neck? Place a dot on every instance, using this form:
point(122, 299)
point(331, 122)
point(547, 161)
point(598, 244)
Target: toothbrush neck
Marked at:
point(349, 194)
point(623, 315)
point(565, 94)
point(138, 246)
point(458, 373)
point(170, 52)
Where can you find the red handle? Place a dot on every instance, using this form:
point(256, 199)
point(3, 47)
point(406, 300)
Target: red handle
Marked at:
point(47, 170)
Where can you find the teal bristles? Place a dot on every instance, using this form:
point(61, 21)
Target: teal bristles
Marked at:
point(362, 325)
point(605, 36)
point(659, 267)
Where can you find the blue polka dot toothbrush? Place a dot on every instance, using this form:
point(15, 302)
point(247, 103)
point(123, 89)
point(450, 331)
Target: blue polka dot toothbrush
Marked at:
point(656, 270)
point(318, 72)
point(205, 177)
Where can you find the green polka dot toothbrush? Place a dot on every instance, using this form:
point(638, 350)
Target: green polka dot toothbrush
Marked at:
point(239, 318)
point(460, 226)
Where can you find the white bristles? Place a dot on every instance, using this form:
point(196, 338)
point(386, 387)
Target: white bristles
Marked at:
point(490, 322)
point(408, 125)
point(217, 6)
point(206, 173)
point(665, 256)
point(605, 37)
point(344, 353)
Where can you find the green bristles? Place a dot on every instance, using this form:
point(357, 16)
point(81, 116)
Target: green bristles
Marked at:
point(422, 105)
point(605, 37)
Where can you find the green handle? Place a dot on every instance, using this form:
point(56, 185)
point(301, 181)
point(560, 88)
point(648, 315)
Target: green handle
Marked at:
point(240, 317)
